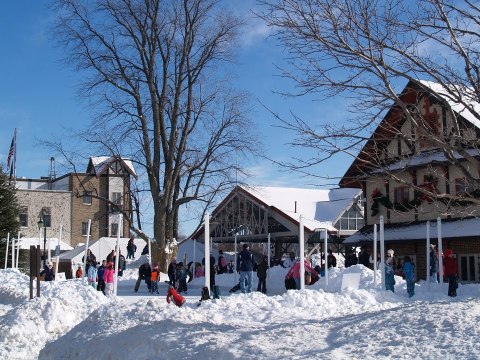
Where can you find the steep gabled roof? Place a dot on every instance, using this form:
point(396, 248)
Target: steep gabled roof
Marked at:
point(394, 120)
point(99, 164)
point(319, 208)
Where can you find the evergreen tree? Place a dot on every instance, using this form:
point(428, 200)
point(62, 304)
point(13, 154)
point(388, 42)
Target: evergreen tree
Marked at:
point(9, 208)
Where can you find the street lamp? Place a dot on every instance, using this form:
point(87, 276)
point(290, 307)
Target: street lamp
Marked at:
point(40, 225)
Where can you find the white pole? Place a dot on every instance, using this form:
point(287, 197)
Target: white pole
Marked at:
point(58, 256)
point(18, 249)
point(440, 249)
point(150, 252)
point(207, 250)
point(13, 252)
point(428, 254)
point(302, 254)
point(49, 250)
point(268, 253)
point(194, 257)
point(375, 265)
point(235, 263)
point(117, 256)
point(382, 251)
point(326, 265)
point(6, 252)
point(86, 249)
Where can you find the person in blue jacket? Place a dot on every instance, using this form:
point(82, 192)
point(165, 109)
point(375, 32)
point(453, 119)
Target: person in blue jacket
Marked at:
point(409, 273)
point(245, 263)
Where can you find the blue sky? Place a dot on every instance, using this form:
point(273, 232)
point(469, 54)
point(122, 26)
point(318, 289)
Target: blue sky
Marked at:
point(38, 94)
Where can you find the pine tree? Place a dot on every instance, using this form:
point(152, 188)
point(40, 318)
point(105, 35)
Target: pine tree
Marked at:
point(9, 208)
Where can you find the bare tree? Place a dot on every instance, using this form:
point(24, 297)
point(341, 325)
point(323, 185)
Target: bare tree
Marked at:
point(154, 73)
point(365, 51)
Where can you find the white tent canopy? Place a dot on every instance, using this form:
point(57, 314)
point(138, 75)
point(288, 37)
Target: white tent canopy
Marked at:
point(25, 243)
point(101, 248)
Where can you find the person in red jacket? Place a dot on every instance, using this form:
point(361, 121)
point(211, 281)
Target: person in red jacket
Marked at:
point(450, 264)
point(174, 296)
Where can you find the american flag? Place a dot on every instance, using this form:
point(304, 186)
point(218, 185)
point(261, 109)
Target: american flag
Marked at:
point(11, 152)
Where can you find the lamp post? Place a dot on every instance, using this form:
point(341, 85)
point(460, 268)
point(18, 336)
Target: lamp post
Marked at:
point(40, 225)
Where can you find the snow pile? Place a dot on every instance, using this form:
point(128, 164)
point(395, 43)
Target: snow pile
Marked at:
point(29, 324)
point(71, 320)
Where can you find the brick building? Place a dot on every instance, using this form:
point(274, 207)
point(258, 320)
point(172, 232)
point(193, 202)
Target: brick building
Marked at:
point(72, 199)
point(413, 161)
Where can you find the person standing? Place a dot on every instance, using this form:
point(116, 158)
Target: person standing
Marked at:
point(144, 273)
point(100, 273)
point(92, 274)
point(108, 276)
point(131, 248)
point(451, 272)
point(91, 258)
point(48, 272)
point(409, 273)
point(351, 258)
point(222, 263)
point(245, 263)
point(171, 271)
point(433, 264)
point(331, 259)
point(122, 263)
point(154, 277)
point(364, 257)
point(262, 268)
point(390, 271)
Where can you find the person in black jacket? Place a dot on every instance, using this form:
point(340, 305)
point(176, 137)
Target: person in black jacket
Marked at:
point(172, 271)
point(144, 273)
point(351, 258)
point(364, 257)
point(262, 268)
point(48, 272)
point(331, 259)
point(245, 263)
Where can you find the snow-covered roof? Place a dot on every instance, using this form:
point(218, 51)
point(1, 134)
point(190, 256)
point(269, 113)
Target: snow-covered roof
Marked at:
point(320, 208)
point(101, 163)
point(441, 91)
point(25, 243)
point(428, 157)
point(460, 228)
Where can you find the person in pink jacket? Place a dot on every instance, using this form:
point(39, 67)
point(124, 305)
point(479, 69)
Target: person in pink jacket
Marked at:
point(294, 273)
point(108, 277)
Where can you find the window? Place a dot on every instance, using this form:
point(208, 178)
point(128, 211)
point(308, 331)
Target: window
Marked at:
point(460, 186)
point(117, 201)
point(85, 229)
point(352, 219)
point(24, 216)
point(401, 194)
point(113, 229)
point(87, 198)
point(47, 216)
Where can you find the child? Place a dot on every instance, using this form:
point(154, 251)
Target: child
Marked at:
point(108, 277)
point(182, 278)
point(262, 268)
point(390, 271)
point(451, 272)
point(154, 279)
point(79, 272)
point(174, 296)
point(92, 274)
point(409, 273)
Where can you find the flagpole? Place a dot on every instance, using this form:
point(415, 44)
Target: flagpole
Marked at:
point(15, 159)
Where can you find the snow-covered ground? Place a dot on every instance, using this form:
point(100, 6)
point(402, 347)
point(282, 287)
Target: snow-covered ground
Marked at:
point(73, 321)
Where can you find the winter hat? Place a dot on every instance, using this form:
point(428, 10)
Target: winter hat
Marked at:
point(245, 246)
point(390, 252)
point(448, 252)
